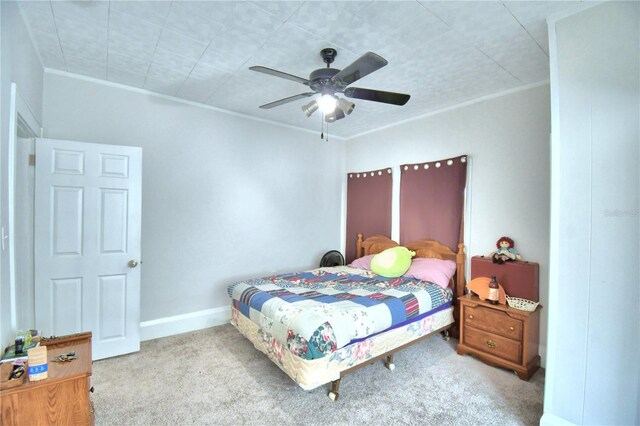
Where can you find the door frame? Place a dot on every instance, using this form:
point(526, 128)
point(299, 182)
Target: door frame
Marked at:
point(21, 117)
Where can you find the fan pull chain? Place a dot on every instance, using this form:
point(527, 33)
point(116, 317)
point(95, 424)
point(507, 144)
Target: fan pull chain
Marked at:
point(322, 127)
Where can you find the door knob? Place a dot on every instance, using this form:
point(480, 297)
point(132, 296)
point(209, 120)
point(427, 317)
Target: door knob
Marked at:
point(132, 263)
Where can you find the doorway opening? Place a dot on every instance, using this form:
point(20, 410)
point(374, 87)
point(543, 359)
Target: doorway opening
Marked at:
point(21, 197)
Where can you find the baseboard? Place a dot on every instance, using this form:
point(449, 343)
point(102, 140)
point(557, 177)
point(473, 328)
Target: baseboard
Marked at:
point(178, 324)
point(549, 419)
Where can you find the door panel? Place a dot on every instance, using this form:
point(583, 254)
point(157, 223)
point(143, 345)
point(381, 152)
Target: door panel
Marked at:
point(112, 309)
point(114, 166)
point(66, 222)
point(66, 312)
point(68, 162)
point(113, 221)
point(88, 211)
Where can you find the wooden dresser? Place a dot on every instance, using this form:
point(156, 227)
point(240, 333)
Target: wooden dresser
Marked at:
point(500, 335)
point(62, 398)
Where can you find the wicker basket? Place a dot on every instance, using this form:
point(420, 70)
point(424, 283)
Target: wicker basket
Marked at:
point(522, 304)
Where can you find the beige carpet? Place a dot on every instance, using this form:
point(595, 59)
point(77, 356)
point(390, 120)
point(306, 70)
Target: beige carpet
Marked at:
point(216, 376)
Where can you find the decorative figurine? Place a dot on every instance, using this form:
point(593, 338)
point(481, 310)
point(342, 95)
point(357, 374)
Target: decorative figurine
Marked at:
point(505, 252)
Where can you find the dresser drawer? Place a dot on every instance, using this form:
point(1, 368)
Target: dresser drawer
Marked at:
point(493, 321)
point(495, 345)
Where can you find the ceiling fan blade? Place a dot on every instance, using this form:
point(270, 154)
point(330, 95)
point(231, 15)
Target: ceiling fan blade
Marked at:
point(364, 65)
point(286, 100)
point(280, 74)
point(377, 95)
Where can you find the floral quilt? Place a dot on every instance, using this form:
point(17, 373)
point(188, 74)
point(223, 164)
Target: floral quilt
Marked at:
point(314, 313)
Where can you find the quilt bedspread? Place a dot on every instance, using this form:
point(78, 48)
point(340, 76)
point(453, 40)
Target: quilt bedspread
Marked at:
point(315, 313)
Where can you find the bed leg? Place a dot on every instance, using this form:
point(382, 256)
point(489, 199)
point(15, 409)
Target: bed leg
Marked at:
point(333, 393)
point(445, 335)
point(389, 363)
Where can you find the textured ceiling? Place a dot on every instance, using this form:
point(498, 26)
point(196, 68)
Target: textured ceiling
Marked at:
point(442, 53)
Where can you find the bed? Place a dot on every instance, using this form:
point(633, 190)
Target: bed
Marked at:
point(320, 325)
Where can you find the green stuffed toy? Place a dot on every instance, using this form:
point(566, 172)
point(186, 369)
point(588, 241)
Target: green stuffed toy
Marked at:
point(393, 262)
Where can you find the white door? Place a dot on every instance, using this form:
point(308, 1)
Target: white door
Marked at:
point(87, 243)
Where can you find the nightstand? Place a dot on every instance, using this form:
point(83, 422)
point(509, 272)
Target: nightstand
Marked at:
point(500, 335)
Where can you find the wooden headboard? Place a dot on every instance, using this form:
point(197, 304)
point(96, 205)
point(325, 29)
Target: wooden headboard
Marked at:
point(423, 248)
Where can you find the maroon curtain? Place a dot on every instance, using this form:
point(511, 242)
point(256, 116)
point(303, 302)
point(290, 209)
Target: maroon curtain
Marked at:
point(432, 201)
point(368, 207)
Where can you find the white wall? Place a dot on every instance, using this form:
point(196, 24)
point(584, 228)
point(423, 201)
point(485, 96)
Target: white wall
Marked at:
point(224, 197)
point(594, 346)
point(507, 140)
point(19, 63)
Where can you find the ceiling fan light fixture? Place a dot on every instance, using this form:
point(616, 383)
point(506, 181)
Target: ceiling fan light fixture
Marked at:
point(337, 114)
point(330, 118)
point(327, 103)
point(324, 83)
point(346, 106)
point(310, 108)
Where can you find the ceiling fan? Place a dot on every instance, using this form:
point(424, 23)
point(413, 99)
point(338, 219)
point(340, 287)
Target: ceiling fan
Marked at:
point(329, 81)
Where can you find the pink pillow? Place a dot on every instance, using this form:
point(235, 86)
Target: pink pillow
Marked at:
point(363, 262)
point(437, 271)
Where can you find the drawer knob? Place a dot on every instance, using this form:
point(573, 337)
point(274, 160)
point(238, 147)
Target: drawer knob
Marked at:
point(470, 316)
point(490, 343)
point(511, 328)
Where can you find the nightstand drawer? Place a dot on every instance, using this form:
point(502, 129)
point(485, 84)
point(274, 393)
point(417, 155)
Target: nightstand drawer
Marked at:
point(493, 321)
point(493, 344)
